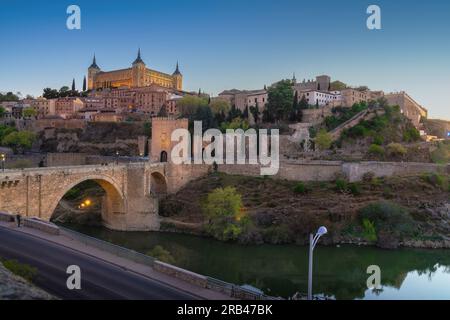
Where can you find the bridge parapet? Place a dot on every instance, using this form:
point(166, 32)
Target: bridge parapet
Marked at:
point(132, 190)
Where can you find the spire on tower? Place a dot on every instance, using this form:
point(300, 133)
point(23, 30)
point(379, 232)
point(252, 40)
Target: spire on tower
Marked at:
point(138, 59)
point(94, 63)
point(177, 70)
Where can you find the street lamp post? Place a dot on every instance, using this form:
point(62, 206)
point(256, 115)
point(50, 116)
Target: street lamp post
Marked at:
point(3, 159)
point(117, 157)
point(312, 244)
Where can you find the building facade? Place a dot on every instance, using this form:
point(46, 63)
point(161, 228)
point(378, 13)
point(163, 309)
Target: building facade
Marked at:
point(149, 99)
point(408, 106)
point(68, 107)
point(44, 107)
point(136, 76)
point(322, 83)
point(242, 99)
point(321, 98)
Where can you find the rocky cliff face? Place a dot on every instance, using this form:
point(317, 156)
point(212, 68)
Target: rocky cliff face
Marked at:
point(13, 287)
point(96, 138)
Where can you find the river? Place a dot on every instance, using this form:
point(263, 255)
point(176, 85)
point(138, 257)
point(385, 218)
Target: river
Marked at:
point(339, 272)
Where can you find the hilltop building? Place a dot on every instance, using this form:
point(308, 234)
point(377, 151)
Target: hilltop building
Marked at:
point(408, 106)
point(136, 76)
point(242, 99)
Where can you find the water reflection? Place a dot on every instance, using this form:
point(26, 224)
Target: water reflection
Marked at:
point(282, 270)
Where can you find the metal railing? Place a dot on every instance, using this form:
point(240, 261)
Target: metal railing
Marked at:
point(214, 284)
point(111, 248)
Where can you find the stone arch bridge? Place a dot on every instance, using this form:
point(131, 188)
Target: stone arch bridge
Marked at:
point(132, 191)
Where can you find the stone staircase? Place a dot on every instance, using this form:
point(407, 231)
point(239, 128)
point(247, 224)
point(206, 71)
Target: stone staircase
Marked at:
point(366, 114)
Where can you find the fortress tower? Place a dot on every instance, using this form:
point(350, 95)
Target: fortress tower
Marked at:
point(161, 144)
point(92, 71)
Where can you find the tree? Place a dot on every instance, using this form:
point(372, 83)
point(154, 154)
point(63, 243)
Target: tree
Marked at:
point(219, 105)
point(223, 209)
point(295, 108)
point(254, 110)
point(303, 104)
point(29, 112)
point(236, 123)
point(5, 130)
point(280, 99)
point(50, 93)
point(148, 129)
point(2, 112)
point(245, 113)
point(220, 117)
point(19, 141)
point(64, 91)
point(337, 86)
point(233, 113)
point(267, 116)
point(84, 84)
point(9, 96)
point(323, 140)
point(162, 111)
point(188, 105)
point(73, 84)
point(204, 115)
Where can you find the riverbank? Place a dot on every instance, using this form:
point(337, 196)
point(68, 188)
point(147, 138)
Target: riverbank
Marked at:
point(408, 211)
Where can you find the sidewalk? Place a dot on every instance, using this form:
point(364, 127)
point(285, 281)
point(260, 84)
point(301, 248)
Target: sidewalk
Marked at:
point(65, 240)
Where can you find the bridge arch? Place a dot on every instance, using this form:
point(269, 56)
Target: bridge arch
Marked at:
point(158, 184)
point(113, 203)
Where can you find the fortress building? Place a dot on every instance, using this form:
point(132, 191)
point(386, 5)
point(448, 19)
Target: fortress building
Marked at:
point(136, 76)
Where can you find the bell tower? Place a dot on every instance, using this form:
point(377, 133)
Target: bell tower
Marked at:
point(138, 71)
point(92, 71)
point(177, 79)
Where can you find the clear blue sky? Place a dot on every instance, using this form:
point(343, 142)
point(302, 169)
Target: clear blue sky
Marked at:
point(233, 44)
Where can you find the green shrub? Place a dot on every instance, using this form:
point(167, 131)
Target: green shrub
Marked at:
point(369, 230)
point(301, 188)
point(341, 185)
point(277, 234)
point(368, 177)
point(223, 209)
point(375, 149)
point(389, 217)
point(411, 135)
point(354, 189)
point(158, 252)
point(396, 149)
point(323, 140)
point(22, 270)
point(435, 179)
point(441, 154)
point(378, 140)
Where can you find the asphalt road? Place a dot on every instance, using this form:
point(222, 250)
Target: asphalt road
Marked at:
point(99, 279)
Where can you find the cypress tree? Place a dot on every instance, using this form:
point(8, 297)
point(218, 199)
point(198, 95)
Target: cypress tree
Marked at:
point(84, 84)
point(245, 114)
point(73, 84)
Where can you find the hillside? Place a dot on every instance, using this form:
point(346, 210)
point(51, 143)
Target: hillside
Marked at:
point(285, 211)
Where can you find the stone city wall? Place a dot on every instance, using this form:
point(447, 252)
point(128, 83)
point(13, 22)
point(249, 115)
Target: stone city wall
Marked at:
point(328, 170)
point(355, 171)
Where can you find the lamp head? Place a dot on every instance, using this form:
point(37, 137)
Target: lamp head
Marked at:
point(321, 231)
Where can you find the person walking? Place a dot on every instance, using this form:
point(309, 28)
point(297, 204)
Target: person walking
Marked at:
point(19, 219)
